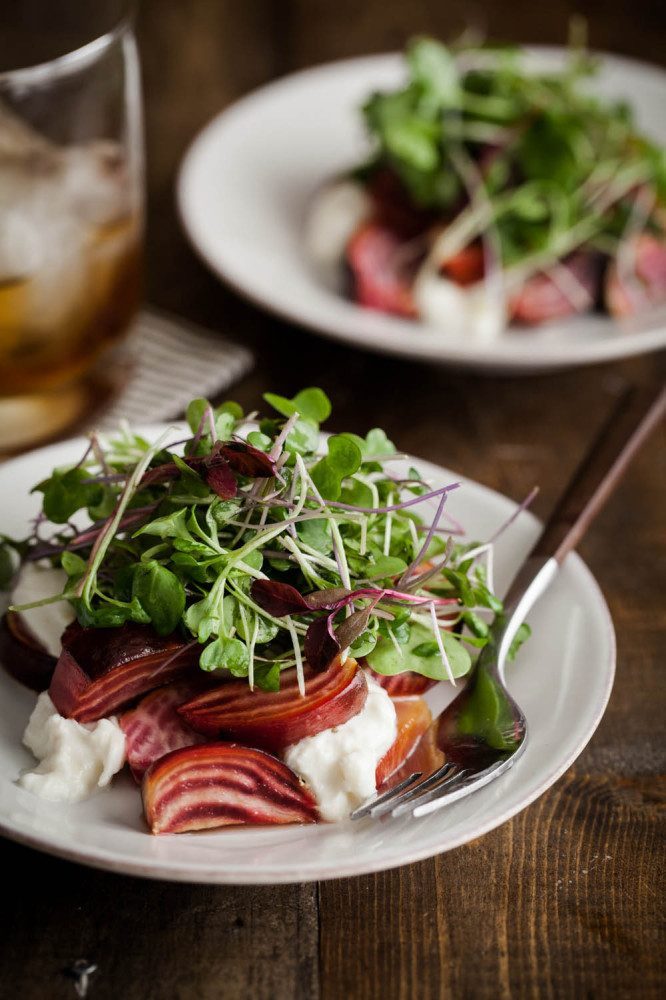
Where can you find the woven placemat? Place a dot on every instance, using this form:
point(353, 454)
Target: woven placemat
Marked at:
point(173, 361)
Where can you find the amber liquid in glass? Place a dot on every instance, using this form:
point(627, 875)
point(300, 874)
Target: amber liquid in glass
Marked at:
point(50, 336)
point(70, 242)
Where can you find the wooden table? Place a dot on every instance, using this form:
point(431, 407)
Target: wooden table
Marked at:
point(566, 900)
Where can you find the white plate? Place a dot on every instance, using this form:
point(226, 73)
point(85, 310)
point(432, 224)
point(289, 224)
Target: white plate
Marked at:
point(247, 180)
point(562, 680)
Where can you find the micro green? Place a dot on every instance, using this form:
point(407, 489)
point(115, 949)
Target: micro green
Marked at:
point(479, 139)
point(267, 547)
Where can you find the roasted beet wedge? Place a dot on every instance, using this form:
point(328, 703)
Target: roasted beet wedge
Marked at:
point(102, 669)
point(276, 720)
point(641, 284)
point(153, 728)
point(543, 298)
point(22, 655)
point(413, 718)
point(380, 279)
point(223, 784)
point(402, 685)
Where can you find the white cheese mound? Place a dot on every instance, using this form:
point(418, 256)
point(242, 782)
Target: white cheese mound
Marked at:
point(75, 760)
point(339, 764)
point(459, 311)
point(47, 623)
point(337, 210)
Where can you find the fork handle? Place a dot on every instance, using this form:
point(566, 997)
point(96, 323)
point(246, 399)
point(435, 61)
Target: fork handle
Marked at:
point(635, 416)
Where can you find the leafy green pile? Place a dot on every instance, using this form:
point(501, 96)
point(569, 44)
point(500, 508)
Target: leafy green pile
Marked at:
point(476, 137)
point(266, 544)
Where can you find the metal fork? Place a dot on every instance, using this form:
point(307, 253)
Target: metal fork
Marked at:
point(483, 732)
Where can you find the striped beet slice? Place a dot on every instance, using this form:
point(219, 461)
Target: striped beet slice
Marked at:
point(102, 669)
point(223, 784)
point(154, 728)
point(274, 720)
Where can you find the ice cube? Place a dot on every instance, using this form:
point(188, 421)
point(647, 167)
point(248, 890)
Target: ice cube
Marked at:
point(20, 245)
point(96, 182)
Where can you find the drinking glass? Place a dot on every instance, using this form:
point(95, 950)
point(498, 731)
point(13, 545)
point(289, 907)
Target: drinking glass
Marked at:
point(71, 209)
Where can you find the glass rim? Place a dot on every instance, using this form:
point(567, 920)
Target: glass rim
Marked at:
point(74, 60)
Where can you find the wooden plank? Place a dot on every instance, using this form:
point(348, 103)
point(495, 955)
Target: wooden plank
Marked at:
point(152, 940)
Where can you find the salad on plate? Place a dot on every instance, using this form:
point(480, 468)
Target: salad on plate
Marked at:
point(496, 192)
point(247, 615)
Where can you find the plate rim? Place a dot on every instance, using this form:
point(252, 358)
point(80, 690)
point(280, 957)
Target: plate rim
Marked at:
point(263, 875)
point(339, 328)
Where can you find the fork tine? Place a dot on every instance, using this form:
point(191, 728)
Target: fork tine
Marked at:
point(367, 807)
point(422, 805)
point(420, 793)
point(397, 796)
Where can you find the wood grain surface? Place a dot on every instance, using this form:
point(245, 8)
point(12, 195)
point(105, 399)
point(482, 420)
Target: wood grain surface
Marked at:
point(567, 899)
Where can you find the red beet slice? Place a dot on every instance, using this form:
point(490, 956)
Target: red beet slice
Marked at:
point(541, 299)
point(275, 720)
point(102, 669)
point(645, 285)
point(402, 685)
point(413, 718)
point(467, 266)
point(380, 281)
point(154, 728)
point(23, 655)
point(223, 784)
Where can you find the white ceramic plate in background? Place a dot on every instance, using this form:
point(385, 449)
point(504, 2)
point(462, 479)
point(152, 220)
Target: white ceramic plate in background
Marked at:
point(247, 180)
point(562, 680)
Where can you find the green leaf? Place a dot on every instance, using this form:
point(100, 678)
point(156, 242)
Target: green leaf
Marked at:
point(260, 441)
point(385, 659)
point(317, 534)
point(304, 438)
point(226, 654)
point(225, 424)
point(170, 526)
point(72, 564)
point(414, 143)
point(160, 594)
point(231, 407)
point(266, 630)
point(434, 68)
point(312, 404)
point(475, 624)
point(363, 645)
point(267, 676)
point(342, 460)
point(103, 507)
point(377, 444)
point(224, 510)
point(195, 412)
point(383, 567)
point(67, 492)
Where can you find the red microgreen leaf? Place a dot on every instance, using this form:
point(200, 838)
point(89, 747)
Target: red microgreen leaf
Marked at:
point(220, 477)
point(321, 645)
point(278, 599)
point(247, 461)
